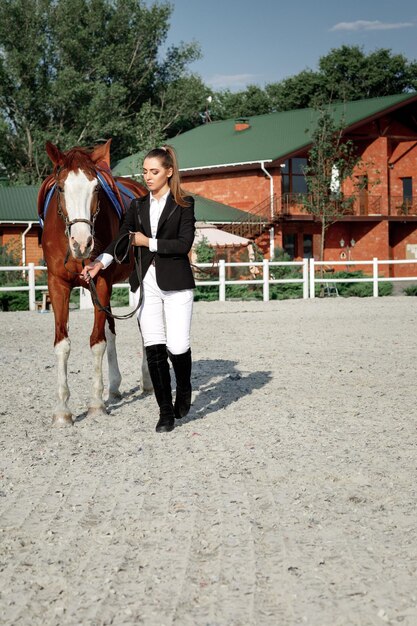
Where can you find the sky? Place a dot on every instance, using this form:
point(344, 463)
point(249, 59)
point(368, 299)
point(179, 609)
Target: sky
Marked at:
point(264, 41)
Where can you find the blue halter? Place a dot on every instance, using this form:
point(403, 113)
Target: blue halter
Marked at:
point(127, 195)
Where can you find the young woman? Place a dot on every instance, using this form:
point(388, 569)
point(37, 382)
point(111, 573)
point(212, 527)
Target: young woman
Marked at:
point(162, 227)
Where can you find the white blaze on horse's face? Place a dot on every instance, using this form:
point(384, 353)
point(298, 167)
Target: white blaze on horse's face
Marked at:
point(79, 190)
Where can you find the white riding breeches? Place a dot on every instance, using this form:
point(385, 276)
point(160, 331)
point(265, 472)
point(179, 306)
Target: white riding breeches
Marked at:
point(165, 316)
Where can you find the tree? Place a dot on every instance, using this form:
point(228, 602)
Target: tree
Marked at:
point(330, 157)
point(350, 74)
point(252, 101)
point(295, 92)
point(345, 73)
point(80, 71)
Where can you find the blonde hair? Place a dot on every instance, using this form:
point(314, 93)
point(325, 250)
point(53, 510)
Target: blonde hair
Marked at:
point(168, 158)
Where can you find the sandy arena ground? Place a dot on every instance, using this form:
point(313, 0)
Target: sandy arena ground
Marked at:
point(286, 497)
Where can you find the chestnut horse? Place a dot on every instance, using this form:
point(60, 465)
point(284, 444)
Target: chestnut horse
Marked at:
point(78, 204)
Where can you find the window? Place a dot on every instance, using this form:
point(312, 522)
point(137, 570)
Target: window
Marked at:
point(293, 180)
point(407, 188)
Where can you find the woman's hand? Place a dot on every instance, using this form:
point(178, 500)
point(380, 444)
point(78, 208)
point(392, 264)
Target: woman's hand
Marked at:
point(139, 239)
point(91, 270)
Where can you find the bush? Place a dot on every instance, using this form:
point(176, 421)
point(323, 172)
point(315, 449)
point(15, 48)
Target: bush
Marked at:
point(411, 291)
point(285, 291)
point(14, 301)
point(356, 290)
point(119, 297)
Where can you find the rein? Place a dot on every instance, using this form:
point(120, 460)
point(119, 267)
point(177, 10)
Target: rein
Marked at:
point(91, 285)
point(138, 267)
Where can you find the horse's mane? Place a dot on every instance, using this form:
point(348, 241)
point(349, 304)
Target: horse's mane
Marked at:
point(78, 158)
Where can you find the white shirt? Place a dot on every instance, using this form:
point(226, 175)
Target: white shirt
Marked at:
point(155, 209)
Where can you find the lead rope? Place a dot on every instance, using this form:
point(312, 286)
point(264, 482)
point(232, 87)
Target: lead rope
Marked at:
point(138, 267)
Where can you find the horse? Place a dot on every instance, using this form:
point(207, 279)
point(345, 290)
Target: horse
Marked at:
point(77, 204)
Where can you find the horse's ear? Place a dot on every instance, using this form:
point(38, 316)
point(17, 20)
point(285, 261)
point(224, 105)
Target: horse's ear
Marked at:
point(102, 153)
point(54, 153)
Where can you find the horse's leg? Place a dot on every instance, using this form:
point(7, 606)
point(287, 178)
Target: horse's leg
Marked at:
point(115, 378)
point(59, 293)
point(98, 345)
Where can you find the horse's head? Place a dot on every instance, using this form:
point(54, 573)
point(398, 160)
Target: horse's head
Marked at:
point(77, 189)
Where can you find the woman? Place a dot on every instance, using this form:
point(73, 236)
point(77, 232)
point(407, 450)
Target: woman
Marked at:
point(162, 228)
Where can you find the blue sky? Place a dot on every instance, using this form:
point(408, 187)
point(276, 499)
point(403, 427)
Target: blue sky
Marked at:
point(262, 41)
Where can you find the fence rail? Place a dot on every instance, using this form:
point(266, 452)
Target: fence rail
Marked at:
point(308, 278)
point(375, 279)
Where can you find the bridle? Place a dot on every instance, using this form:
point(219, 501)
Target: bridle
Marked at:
point(91, 285)
point(68, 223)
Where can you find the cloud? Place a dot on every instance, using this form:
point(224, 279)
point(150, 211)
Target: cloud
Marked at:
point(368, 25)
point(231, 81)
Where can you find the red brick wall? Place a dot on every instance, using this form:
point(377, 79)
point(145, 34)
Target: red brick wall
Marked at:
point(12, 237)
point(243, 190)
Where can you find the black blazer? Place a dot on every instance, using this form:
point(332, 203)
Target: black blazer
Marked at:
point(175, 235)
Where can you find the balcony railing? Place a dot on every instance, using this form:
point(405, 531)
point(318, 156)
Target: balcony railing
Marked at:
point(403, 206)
point(359, 204)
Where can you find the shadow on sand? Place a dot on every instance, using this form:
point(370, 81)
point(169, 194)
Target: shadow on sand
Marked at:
point(216, 384)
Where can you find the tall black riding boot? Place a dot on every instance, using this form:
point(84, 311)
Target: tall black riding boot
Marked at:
point(157, 357)
point(182, 369)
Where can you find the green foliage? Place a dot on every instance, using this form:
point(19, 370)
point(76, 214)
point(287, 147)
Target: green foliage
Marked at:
point(9, 256)
point(411, 291)
point(252, 101)
point(12, 300)
point(81, 71)
point(345, 73)
point(286, 290)
point(329, 152)
point(358, 290)
point(120, 297)
point(254, 292)
point(204, 252)
point(350, 74)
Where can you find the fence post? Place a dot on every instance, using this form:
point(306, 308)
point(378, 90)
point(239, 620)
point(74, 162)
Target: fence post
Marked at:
point(85, 299)
point(32, 292)
point(265, 270)
point(375, 276)
point(222, 281)
point(305, 278)
point(312, 277)
point(132, 301)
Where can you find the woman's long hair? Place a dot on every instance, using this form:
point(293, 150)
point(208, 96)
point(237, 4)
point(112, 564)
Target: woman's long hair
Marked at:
point(168, 158)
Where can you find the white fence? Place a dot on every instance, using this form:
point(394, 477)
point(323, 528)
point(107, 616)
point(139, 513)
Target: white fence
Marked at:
point(375, 279)
point(308, 278)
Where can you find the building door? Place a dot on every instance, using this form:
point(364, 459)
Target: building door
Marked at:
point(307, 246)
point(363, 195)
point(289, 243)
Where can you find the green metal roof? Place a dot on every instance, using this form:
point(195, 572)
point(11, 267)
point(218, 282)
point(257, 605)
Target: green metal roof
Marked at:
point(216, 212)
point(270, 137)
point(19, 204)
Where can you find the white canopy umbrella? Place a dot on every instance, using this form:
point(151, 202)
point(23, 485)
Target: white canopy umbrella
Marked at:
point(216, 237)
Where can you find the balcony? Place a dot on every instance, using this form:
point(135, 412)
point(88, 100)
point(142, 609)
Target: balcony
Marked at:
point(403, 206)
point(359, 204)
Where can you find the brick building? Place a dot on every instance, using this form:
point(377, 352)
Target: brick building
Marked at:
point(256, 164)
point(21, 232)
